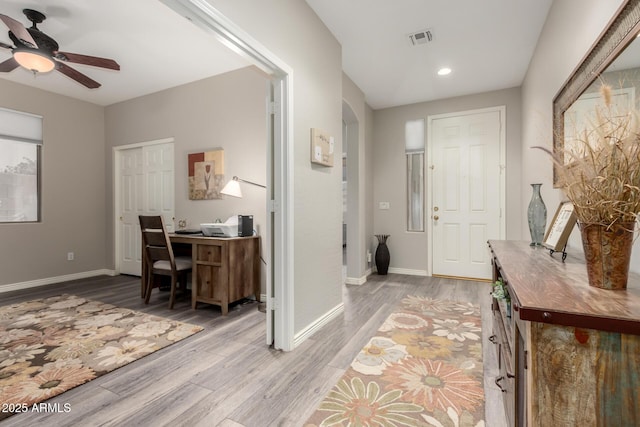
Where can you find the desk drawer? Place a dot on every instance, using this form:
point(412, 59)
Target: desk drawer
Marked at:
point(209, 254)
point(211, 285)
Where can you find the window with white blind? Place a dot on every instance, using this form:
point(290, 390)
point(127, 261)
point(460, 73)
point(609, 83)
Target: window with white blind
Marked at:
point(20, 145)
point(414, 150)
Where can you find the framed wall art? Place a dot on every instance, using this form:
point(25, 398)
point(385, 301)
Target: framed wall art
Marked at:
point(322, 147)
point(206, 175)
point(558, 233)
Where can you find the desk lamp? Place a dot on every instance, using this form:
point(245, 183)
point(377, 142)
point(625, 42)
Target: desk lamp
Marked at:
point(232, 188)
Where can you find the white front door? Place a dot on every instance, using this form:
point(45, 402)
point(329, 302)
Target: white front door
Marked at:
point(467, 187)
point(145, 186)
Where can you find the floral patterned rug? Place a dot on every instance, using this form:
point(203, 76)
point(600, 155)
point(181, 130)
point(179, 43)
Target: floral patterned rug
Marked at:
point(423, 368)
point(51, 345)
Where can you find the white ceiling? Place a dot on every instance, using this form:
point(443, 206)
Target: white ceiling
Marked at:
point(155, 47)
point(487, 43)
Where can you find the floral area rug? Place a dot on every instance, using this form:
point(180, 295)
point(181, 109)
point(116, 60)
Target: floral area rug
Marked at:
point(51, 345)
point(422, 368)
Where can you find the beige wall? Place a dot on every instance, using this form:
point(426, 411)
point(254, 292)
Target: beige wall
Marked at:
point(292, 31)
point(227, 111)
point(73, 191)
point(359, 147)
point(77, 169)
point(571, 28)
point(369, 174)
point(289, 29)
point(409, 250)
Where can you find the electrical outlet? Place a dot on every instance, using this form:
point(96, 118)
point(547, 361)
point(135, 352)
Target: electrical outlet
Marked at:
point(368, 256)
point(384, 205)
point(70, 256)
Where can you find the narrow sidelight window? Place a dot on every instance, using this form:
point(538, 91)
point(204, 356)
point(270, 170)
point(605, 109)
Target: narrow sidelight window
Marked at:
point(414, 149)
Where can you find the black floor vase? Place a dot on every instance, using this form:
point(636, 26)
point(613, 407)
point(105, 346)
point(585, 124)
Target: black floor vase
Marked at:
point(382, 254)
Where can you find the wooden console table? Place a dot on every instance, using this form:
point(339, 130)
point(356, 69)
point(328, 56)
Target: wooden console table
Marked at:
point(569, 354)
point(224, 269)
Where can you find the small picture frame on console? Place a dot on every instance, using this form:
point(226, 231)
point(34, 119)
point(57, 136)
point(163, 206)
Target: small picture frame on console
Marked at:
point(558, 233)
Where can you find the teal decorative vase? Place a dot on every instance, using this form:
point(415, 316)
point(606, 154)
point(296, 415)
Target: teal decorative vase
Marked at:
point(537, 216)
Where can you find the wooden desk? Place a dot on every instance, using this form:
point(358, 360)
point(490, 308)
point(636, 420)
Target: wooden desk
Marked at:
point(570, 353)
point(224, 269)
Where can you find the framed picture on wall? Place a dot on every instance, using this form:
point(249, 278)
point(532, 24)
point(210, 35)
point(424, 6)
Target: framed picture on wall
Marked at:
point(561, 226)
point(322, 145)
point(206, 175)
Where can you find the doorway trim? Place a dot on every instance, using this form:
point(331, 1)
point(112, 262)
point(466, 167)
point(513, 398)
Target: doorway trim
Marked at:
point(501, 109)
point(356, 273)
point(280, 186)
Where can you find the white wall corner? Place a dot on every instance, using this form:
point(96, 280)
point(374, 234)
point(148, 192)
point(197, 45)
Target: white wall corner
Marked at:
point(356, 280)
point(54, 280)
point(307, 332)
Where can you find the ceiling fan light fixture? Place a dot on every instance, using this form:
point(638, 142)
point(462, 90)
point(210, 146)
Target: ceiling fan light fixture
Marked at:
point(34, 60)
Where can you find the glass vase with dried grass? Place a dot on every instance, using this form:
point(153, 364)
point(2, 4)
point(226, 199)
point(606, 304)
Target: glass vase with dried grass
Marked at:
point(602, 180)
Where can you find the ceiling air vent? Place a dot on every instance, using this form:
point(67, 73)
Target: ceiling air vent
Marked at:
point(420, 37)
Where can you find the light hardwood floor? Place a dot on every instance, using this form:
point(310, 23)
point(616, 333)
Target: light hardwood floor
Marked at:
point(226, 376)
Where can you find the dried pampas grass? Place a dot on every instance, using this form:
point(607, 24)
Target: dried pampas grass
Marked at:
point(602, 176)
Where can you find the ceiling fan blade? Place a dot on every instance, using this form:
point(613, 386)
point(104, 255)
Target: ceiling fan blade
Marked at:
point(6, 46)
point(77, 76)
point(8, 65)
point(88, 60)
point(18, 30)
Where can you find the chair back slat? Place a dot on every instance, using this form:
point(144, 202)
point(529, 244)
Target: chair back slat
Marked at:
point(151, 222)
point(158, 253)
point(155, 240)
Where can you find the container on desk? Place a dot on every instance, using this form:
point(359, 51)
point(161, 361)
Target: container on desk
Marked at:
point(240, 226)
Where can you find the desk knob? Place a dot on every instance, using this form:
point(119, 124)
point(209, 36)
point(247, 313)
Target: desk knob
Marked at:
point(546, 316)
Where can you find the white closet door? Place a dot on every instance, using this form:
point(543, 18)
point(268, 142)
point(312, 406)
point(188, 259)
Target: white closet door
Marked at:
point(146, 187)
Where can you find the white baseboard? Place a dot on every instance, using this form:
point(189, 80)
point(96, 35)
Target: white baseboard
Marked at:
point(301, 336)
point(356, 280)
point(52, 280)
point(408, 272)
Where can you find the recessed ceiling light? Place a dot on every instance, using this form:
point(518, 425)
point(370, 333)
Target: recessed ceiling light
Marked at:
point(444, 71)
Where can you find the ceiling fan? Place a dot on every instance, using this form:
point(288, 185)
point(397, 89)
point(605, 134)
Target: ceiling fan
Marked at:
point(37, 52)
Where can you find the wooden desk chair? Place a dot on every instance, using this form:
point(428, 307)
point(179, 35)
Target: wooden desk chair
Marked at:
point(159, 258)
